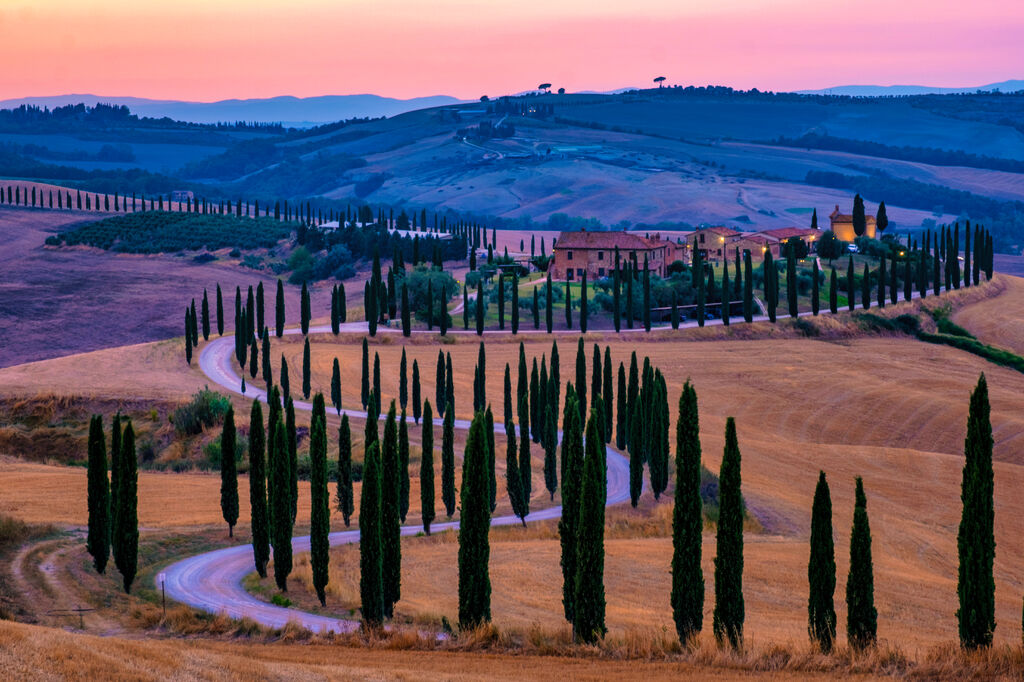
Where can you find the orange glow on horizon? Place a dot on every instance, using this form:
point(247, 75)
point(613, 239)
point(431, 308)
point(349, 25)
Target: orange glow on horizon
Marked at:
point(209, 50)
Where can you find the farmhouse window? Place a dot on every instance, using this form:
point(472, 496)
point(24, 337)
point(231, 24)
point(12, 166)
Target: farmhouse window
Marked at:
point(569, 274)
point(579, 271)
point(600, 255)
point(600, 272)
point(568, 255)
point(702, 239)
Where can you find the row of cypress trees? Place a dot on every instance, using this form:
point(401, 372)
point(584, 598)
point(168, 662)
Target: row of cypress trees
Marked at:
point(113, 503)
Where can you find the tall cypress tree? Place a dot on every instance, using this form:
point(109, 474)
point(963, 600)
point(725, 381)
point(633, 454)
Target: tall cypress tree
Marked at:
point(861, 615)
point(336, 386)
point(279, 310)
point(572, 471)
point(258, 491)
point(729, 612)
point(440, 399)
point(515, 304)
point(371, 570)
point(126, 542)
point(581, 378)
point(320, 513)
point(427, 468)
point(815, 293)
point(281, 539)
point(698, 270)
point(726, 292)
point(449, 382)
point(98, 541)
point(865, 288)
point(480, 308)
point(391, 550)
point(448, 461)
point(491, 474)
point(220, 312)
point(268, 374)
point(647, 296)
point(205, 311)
point(403, 381)
point(534, 432)
point(513, 479)
point(548, 312)
point(293, 457)
point(536, 310)
point(791, 299)
point(345, 496)
point(588, 597)
point(606, 394)
point(407, 312)
point(687, 522)
point(976, 538)
point(583, 304)
point(821, 570)
point(228, 473)
point(474, 527)
point(881, 282)
point(748, 287)
point(376, 386)
point(417, 399)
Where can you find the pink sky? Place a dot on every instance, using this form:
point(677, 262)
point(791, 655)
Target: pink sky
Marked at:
point(217, 49)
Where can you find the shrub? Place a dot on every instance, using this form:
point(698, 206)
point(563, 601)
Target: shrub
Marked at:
point(205, 257)
point(301, 265)
point(205, 409)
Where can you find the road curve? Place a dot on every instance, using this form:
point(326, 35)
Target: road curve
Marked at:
point(212, 581)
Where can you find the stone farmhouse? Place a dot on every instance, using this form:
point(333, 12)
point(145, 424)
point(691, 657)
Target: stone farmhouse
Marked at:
point(594, 253)
point(842, 225)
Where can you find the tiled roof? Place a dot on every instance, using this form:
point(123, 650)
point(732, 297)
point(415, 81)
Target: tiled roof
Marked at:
point(588, 239)
point(719, 229)
point(782, 233)
point(755, 237)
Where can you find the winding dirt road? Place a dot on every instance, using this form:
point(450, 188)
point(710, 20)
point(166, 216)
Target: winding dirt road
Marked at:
point(212, 581)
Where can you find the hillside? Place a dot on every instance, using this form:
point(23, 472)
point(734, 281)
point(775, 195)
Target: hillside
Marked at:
point(686, 156)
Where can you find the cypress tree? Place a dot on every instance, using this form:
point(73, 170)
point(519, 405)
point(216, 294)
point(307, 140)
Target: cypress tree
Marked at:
point(195, 324)
point(115, 479)
point(448, 461)
point(568, 306)
point(729, 610)
point(371, 570)
point(342, 303)
point(833, 293)
point(675, 310)
point(416, 397)
point(449, 383)
point(305, 368)
point(465, 311)
point(556, 375)
point(748, 288)
point(188, 338)
point(701, 292)
point(976, 539)
point(98, 541)
point(791, 280)
point(376, 389)
point(550, 450)
point(403, 463)
point(821, 570)
point(536, 310)
point(851, 292)
point(440, 398)
point(815, 293)
point(254, 367)
point(285, 381)
point(513, 479)
point(583, 304)
point(268, 375)
point(403, 381)
point(220, 312)
point(258, 491)
point(687, 523)
point(445, 318)
point(320, 514)
point(335, 321)
point(658, 423)
point(391, 492)
point(304, 308)
point(907, 280)
point(228, 473)
point(206, 316)
point(534, 431)
point(588, 597)
point(474, 527)
point(595, 375)
point(279, 310)
point(617, 292)
point(260, 309)
point(620, 410)
point(293, 457)
point(501, 301)
point(345, 496)
point(861, 615)
point(336, 386)
point(771, 285)
point(572, 472)
point(427, 468)
point(126, 542)
point(281, 539)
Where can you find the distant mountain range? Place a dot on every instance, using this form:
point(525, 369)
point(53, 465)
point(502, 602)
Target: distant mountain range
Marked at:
point(299, 112)
point(898, 90)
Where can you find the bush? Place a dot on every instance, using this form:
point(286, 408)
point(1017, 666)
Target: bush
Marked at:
point(204, 410)
point(301, 265)
point(335, 263)
point(213, 452)
point(204, 257)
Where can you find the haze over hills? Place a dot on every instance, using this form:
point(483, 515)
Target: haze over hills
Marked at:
point(298, 112)
point(901, 90)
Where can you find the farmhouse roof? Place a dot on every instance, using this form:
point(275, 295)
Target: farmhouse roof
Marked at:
point(755, 237)
point(587, 239)
point(784, 233)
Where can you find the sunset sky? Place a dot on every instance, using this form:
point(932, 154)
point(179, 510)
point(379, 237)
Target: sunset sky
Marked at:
point(217, 49)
